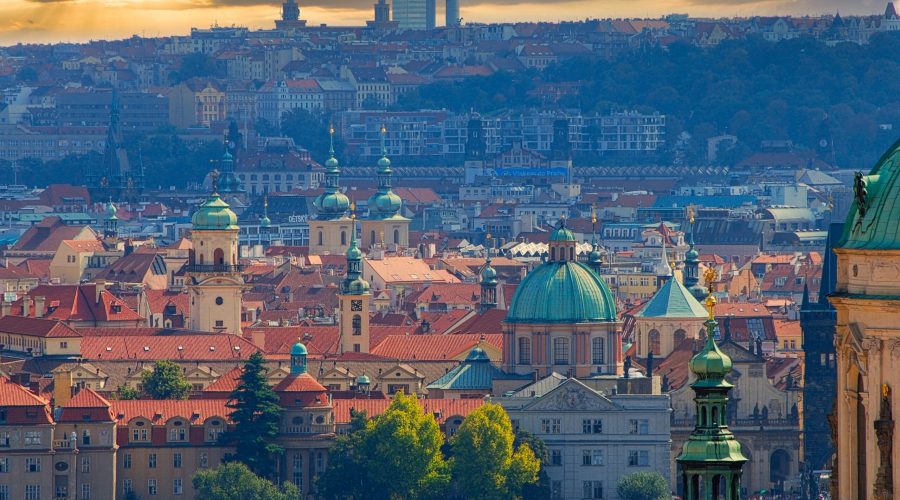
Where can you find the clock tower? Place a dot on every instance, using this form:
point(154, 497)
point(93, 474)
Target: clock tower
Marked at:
point(354, 300)
point(214, 276)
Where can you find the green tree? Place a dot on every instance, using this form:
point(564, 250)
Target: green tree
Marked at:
point(27, 74)
point(310, 131)
point(541, 489)
point(196, 64)
point(397, 455)
point(125, 393)
point(234, 481)
point(165, 381)
point(484, 463)
point(643, 486)
point(256, 413)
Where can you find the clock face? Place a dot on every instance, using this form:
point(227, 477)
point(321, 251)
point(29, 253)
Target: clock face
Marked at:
point(356, 305)
point(823, 143)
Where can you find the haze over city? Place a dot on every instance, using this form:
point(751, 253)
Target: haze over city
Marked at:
point(42, 21)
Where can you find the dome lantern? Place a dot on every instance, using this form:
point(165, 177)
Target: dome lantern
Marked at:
point(298, 358)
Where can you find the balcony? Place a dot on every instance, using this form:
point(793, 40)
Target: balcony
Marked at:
point(62, 444)
point(213, 268)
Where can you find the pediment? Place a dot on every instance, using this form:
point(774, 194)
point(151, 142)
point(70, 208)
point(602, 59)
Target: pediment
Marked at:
point(572, 395)
point(404, 370)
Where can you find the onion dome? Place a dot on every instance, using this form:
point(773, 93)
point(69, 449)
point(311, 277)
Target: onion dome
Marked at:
point(488, 274)
point(332, 203)
point(384, 204)
point(298, 349)
point(710, 365)
point(562, 292)
point(873, 218)
point(353, 283)
point(110, 211)
point(214, 215)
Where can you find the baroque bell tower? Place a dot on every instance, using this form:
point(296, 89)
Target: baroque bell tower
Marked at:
point(213, 272)
point(354, 299)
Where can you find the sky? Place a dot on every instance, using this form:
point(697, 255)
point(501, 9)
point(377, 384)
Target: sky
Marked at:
point(42, 21)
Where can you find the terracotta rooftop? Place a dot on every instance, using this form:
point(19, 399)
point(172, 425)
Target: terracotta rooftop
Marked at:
point(442, 409)
point(431, 347)
point(197, 411)
point(211, 347)
point(36, 327)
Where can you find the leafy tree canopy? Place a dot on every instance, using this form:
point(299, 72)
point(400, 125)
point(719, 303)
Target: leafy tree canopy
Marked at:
point(198, 65)
point(396, 455)
point(234, 481)
point(165, 381)
point(643, 486)
point(485, 465)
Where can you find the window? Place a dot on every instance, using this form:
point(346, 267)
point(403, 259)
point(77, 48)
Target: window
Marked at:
point(32, 492)
point(4, 492)
point(85, 464)
point(638, 458)
point(298, 470)
point(126, 461)
point(589, 426)
point(592, 457)
point(151, 460)
point(86, 438)
point(127, 485)
point(357, 324)
point(139, 434)
point(4, 436)
point(32, 464)
point(177, 487)
point(151, 487)
point(204, 459)
point(63, 345)
point(4, 465)
point(32, 438)
point(597, 350)
point(86, 491)
point(593, 489)
point(555, 457)
point(177, 433)
point(550, 425)
point(524, 351)
point(638, 426)
point(176, 460)
point(561, 351)
point(556, 489)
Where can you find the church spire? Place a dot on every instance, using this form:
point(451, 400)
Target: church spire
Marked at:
point(384, 204)
point(711, 459)
point(488, 279)
point(692, 261)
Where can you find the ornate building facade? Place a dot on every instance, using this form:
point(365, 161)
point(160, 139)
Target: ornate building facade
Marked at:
point(867, 341)
point(330, 231)
point(562, 318)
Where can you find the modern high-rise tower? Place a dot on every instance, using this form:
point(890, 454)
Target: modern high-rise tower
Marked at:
point(452, 13)
point(414, 14)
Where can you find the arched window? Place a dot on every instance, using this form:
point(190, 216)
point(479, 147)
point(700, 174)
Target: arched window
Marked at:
point(219, 257)
point(679, 337)
point(343, 238)
point(396, 236)
point(524, 351)
point(572, 253)
point(597, 350)
point(715, 416)
point(372, 238)
point(703, 417)
point(357, 324)
point(552, 253)
point(654, 342)
point(320, 238)
point(561, 351)
point(201, 259)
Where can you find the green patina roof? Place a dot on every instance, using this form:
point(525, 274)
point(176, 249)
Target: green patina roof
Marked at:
point(562, 233)
point(717, 448)
point(214, 214)
point(673, 300)
point(475, 372)
point(879, 229)
point(298, 349)
point(562, 292)
point(710, 365)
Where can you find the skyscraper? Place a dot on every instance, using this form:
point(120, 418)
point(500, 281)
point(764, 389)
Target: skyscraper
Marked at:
point(413, 14)
point(452, 13)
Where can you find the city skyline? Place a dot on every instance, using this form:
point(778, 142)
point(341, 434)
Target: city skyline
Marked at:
point(49, 21)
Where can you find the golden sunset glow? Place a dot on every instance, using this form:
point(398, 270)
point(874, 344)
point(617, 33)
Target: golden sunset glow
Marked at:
point(81, 20)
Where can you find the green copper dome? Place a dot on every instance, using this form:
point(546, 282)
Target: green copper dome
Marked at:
point(298, 349)
point(110, 210)
point(332, 204)
point(331, 163)
point(384, 205)
point(562, 292)
point(488, 274)
point(214, 214)
point(711, 365)
point(363, 380)
point(874, 219)
point(691, 255)
point(562, 233)
point(358, 286)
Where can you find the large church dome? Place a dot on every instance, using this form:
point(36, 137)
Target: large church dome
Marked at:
point(875, 215)
point(562, 292)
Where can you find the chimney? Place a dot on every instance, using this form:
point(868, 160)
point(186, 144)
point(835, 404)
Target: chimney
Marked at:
point(62, 387)
point(39, 306)
point(26, 305)
point(99, 287)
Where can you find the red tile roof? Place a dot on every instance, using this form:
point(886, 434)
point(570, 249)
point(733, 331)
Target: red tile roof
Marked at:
point(36, 327)
point(79, 303)
point(159, 411)
point(489, 322)
point(87, 405)
point(441, 408)
point(210, 347)
point(45, 236)
point(13, 394)
point(431, 347)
